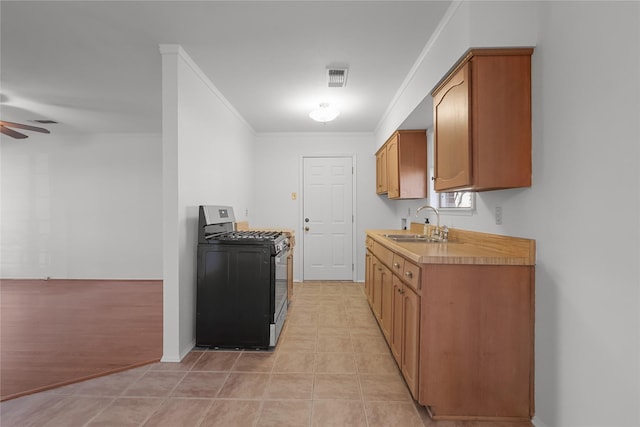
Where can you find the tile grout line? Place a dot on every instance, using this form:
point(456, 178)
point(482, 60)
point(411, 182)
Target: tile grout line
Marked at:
point(355, 359)
point(113, 399)
point(165, 399)
point(169, 397)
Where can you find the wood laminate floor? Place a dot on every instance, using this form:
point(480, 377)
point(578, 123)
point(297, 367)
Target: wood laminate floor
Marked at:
point(56, 332)
point(331, 367)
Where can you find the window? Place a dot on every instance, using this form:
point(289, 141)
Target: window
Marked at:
point(456, 200)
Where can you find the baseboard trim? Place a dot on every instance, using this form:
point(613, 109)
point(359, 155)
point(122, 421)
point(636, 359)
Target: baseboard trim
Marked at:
point(537, 423)
point(183, 353)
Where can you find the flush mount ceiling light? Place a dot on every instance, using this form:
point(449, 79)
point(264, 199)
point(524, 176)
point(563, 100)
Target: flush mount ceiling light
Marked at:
point(324, 113)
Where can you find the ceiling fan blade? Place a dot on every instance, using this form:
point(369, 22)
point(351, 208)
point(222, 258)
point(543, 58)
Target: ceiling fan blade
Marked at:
point(21, 126)
point(12, 133)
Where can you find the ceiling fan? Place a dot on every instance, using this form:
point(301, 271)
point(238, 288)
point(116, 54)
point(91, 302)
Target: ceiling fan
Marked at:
point(5, 128)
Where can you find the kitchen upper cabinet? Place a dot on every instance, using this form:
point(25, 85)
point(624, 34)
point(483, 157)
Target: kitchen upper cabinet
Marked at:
point(407, 164)
point(381, 170)
point(452, 154)
point(393, 169)
point(482, 122)
point(401, 165)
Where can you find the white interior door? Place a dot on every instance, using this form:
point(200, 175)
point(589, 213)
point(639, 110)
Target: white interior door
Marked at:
point(327, 218)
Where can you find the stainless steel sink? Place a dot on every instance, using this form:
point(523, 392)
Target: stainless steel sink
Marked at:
point(402, 236)
point(412, 238)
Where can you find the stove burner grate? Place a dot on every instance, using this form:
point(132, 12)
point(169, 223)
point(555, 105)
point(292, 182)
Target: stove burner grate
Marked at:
point(245, 235)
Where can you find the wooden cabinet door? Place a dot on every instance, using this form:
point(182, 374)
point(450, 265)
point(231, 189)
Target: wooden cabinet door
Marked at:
point(381, 171)
point(368, 276)
point(387, 301)
point(376, 291)
point(410, 338)
point(393, 177)
point(401, 165)
point(452, 149)
point(395, 342)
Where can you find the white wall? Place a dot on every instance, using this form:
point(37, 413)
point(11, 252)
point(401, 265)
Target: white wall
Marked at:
point(583, 208)
point(278, 173)
point(81, 206)
point(586, 127)
point(207, 159)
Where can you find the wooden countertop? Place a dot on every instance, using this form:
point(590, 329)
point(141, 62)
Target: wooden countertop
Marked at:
point(464, 247)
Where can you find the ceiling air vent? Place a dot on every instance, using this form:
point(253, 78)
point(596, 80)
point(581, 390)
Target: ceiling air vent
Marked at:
point(337, 77)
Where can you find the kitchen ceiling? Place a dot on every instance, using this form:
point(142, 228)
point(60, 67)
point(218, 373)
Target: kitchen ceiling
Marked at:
point(95, 66)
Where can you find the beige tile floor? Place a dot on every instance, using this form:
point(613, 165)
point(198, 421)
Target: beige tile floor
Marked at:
point(331, 367)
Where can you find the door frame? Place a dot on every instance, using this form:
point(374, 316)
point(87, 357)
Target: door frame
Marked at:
point(354, 197)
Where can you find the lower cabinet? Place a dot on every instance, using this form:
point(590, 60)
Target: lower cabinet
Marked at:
point(476, 355)
point(386, 312)
point(405, 337)
point(462, 335)
point(396, 306)
point(368, 276)
point(376, 287)
point(381, 295)
point(395, 343)
point(410, 338)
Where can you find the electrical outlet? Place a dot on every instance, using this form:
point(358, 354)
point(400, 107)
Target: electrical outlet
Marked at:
point(499, 215)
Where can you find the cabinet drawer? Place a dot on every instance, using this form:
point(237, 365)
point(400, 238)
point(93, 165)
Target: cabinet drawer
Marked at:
point(397, 265)
point(383, 254)
point(411, 275)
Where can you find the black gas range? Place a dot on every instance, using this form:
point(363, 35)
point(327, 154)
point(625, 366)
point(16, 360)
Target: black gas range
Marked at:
point(241, 283)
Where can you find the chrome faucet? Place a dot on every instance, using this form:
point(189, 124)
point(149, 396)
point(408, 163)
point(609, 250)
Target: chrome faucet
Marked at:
point(437, 217)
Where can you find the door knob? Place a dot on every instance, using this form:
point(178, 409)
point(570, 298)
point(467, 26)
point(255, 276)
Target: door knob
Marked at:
point(306, 229)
